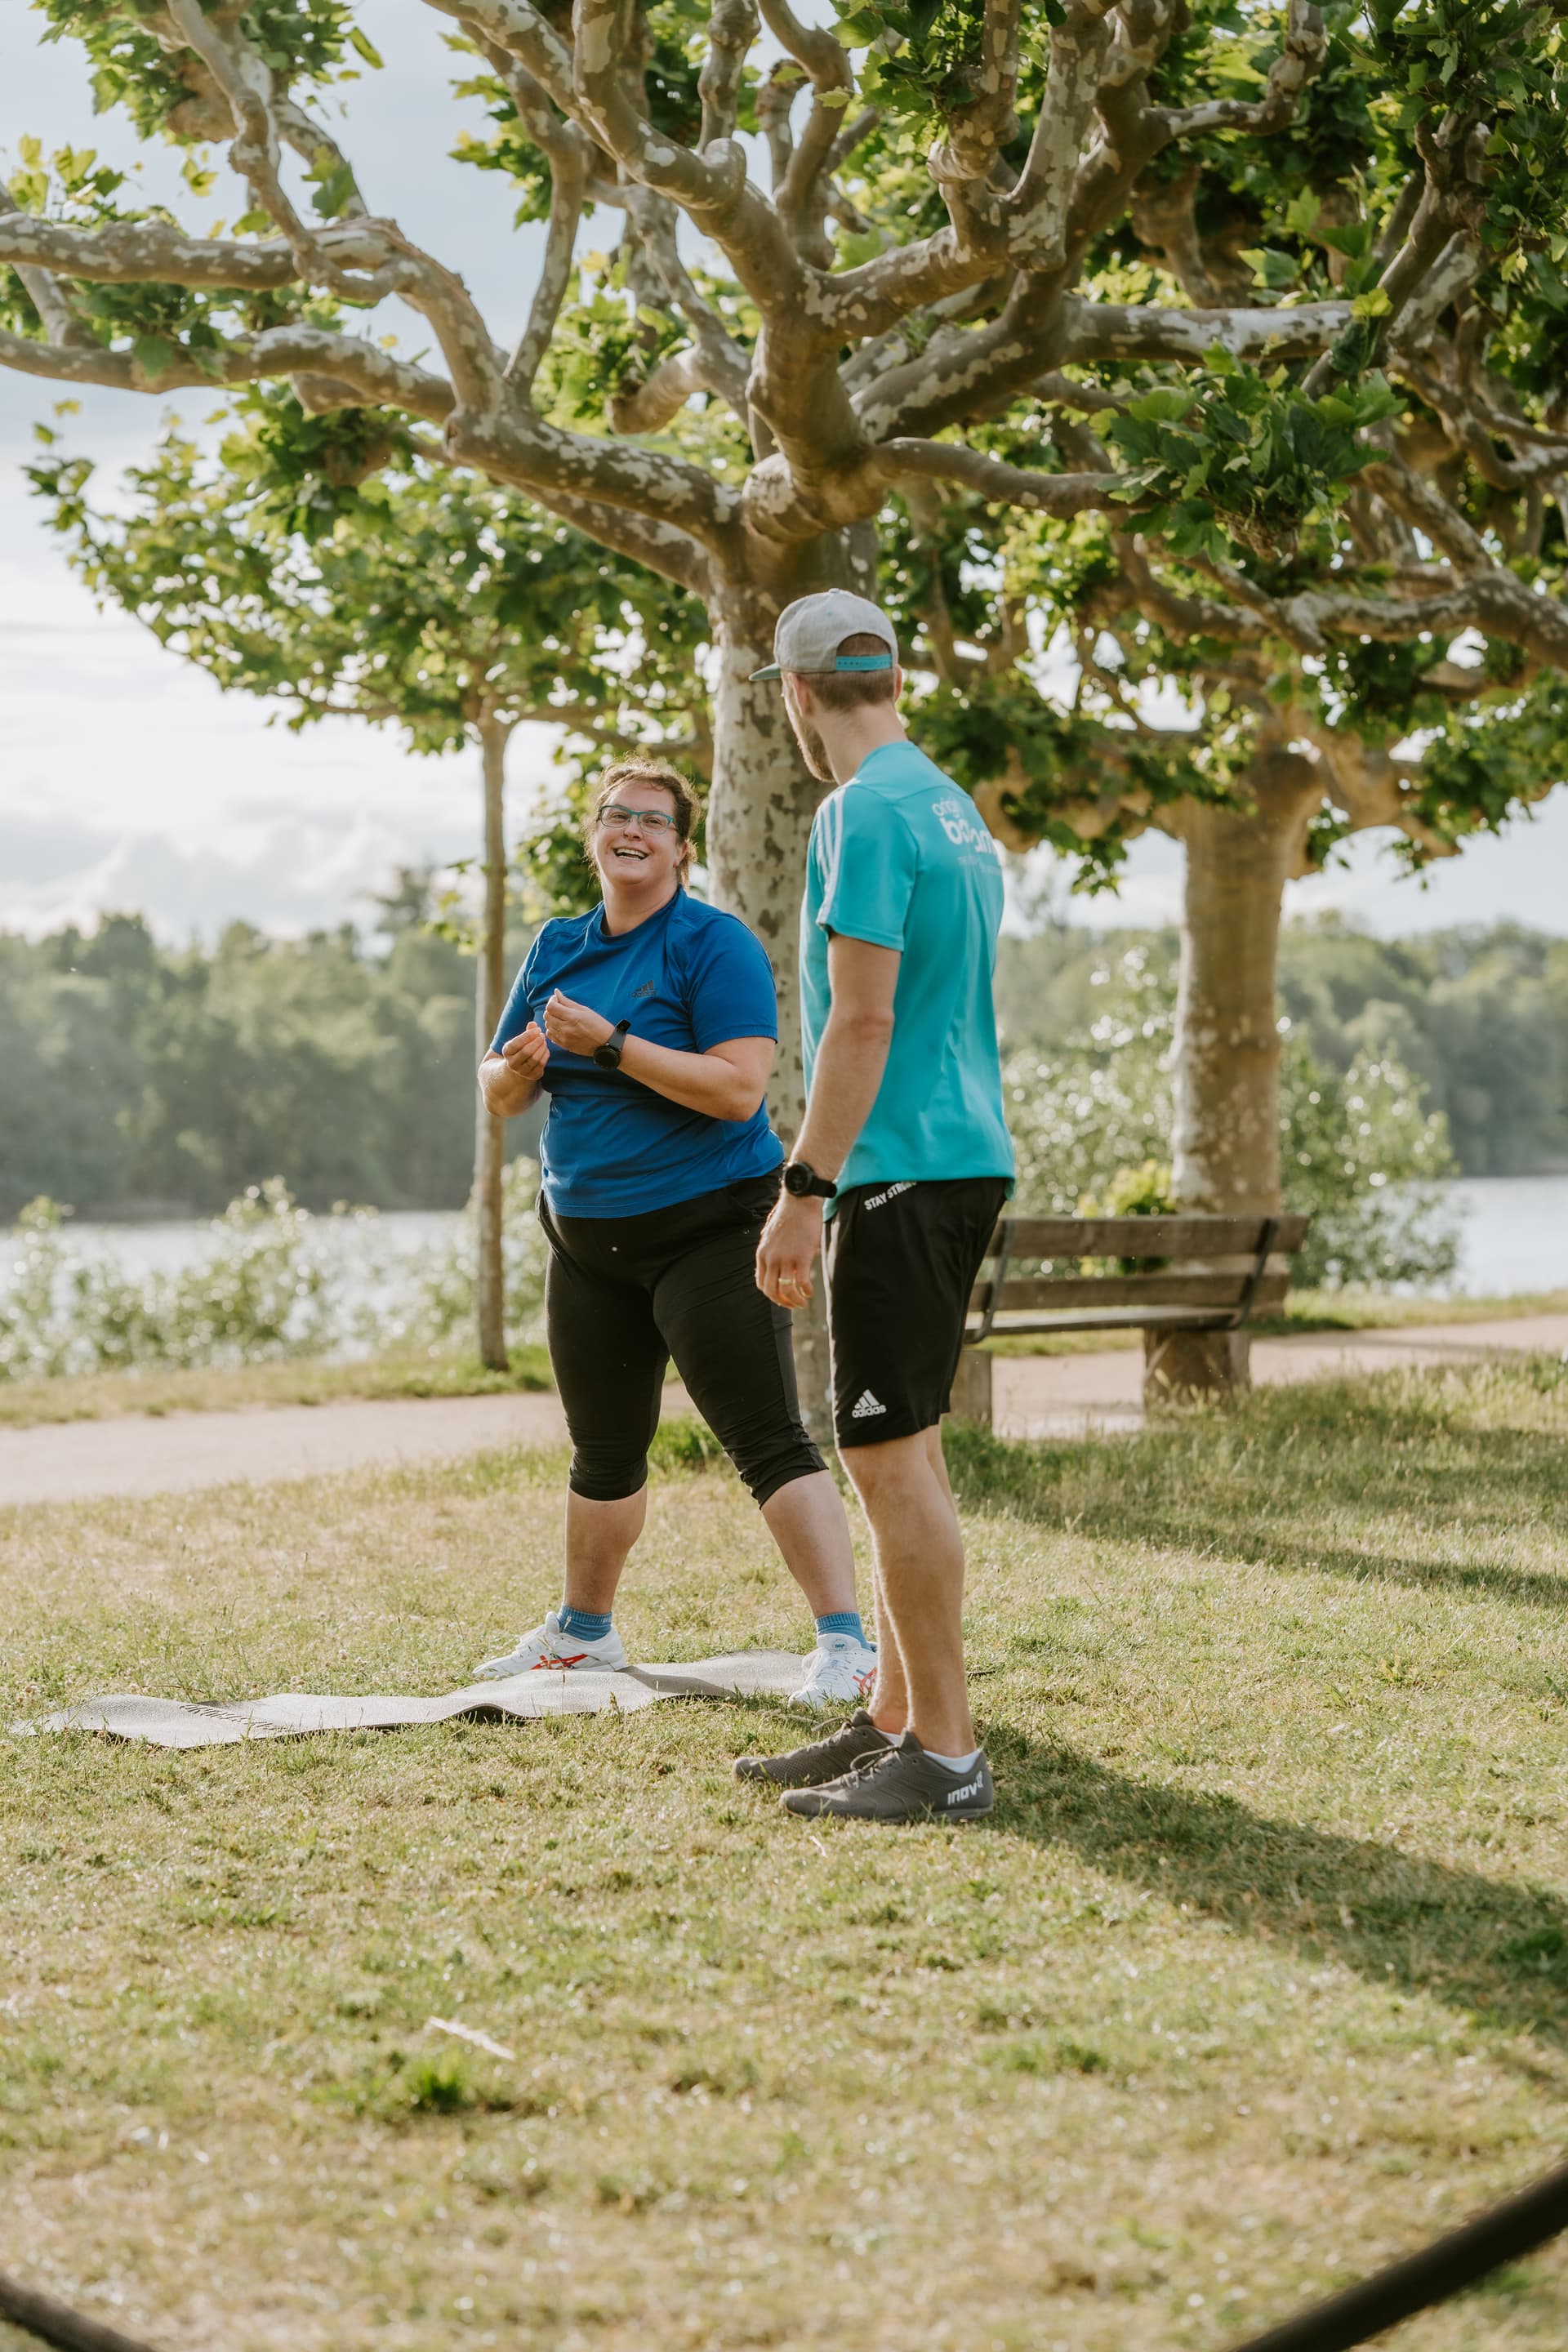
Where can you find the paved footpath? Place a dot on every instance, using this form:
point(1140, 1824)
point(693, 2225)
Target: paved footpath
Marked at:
point(1036, 1396)
point(1067, 1396)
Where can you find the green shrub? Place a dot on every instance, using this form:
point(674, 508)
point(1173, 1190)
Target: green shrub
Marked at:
point(271, 1281)
point(1360, 1151)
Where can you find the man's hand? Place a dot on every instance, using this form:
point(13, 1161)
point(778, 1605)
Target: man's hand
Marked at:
point(787, 1249)
point(526, 1055)
point(574, 1026)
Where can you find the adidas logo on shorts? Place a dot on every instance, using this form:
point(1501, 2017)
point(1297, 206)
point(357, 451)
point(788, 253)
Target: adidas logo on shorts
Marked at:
point(867, 1406)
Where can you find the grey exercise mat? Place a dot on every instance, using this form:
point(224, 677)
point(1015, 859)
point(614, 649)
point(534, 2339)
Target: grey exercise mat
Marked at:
point(176, 1723)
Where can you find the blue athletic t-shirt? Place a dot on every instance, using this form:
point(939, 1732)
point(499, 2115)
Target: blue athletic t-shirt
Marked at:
point(689, 977)
point(900, 859)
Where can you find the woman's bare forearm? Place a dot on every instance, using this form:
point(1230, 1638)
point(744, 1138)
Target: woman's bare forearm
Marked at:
point(704, 1082)
point(506, 1092)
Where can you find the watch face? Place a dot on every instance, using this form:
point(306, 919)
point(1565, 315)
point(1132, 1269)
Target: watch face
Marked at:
point(797, 1180)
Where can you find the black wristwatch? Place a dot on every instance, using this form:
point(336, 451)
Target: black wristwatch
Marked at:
point(608, 1055)
point(802, 1181)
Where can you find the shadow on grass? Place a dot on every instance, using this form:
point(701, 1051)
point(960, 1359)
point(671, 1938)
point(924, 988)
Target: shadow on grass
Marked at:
point(1411, 1453)
point(1494, 1950)
point(1296, 1556)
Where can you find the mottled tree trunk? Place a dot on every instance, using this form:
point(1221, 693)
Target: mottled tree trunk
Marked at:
point(490, 999)
point(760, 808)
point(1225, 1134)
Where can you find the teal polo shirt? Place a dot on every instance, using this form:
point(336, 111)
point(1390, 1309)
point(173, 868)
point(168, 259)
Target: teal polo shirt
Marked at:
point(900, 859)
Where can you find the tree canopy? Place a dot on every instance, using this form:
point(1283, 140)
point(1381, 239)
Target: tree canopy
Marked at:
point(1200, 362)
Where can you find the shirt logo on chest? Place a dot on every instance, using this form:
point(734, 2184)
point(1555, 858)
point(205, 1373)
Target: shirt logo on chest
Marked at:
point(647, 988)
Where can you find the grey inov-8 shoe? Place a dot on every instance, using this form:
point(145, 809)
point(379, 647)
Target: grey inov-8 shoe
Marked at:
point(821, 1760)
point(903, 1785)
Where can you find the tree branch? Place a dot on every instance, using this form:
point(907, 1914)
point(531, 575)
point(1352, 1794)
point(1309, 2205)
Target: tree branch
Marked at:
point(519, 29)
point(801, 194)
point(981, 126)
point(726, 367)
point(664, 549)
point(732, 29)
point(1372, 788)
point(568, 169)
point(651, 406)
point(61, 322)
point(999, 484)
point(246, 84)
point(369, 376)
point(1035, 210)
point(1428, 510)
point(1299, 61)
point(1119, 331)
point(154, 252)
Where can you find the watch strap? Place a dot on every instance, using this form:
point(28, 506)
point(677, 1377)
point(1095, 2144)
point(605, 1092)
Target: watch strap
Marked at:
point(608, 1055)
point(816, 1188)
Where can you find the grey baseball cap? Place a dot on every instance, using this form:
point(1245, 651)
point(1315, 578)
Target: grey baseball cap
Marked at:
point(811, 630)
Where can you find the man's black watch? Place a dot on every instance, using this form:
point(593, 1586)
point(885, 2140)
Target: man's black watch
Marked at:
point(802, 1181)
point(608, 1055)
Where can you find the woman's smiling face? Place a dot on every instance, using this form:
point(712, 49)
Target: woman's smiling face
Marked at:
point(636, 857)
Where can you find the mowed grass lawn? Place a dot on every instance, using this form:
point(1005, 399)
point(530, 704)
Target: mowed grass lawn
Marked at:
point(1260, 1975)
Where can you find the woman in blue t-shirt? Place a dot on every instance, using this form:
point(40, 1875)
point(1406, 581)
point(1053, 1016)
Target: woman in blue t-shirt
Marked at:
point(651, 1026)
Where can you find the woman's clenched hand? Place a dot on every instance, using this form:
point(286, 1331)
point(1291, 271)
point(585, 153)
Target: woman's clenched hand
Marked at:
point(526, 1055)
point(576, 1027)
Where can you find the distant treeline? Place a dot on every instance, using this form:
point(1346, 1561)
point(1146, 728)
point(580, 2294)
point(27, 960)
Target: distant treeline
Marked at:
point(1480, 1016)
point(138, 1079)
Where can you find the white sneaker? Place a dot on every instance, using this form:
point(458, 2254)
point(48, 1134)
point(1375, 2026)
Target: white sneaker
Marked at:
point(556, 1652)
point(839, 1672)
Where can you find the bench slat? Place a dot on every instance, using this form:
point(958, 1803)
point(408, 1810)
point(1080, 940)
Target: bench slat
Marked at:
point(1131, 1319)
point(1174, 1236)
point(1198, 1290)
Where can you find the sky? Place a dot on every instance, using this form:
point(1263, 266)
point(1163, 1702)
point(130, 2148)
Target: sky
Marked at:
point(128, 781)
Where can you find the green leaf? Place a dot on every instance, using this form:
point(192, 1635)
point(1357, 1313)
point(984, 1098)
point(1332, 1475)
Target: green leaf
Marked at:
point(365, 47)
point(1166, 404)
point(153, 354)
point(334, 192)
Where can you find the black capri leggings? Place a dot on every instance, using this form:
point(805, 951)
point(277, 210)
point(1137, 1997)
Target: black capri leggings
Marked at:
point(622, 1294)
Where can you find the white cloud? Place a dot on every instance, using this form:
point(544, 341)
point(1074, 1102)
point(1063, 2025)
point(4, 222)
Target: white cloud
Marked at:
point(130, 781)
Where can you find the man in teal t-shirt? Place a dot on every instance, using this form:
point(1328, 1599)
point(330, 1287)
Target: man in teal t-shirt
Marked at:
point(899, 859)
point(906, 1144)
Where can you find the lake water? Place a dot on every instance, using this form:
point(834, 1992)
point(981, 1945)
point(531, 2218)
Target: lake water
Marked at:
point(1515, 1235)
point(162, 1248)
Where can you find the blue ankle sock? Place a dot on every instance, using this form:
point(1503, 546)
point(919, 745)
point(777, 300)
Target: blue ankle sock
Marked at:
point(842, 1621)
point(584, 1624)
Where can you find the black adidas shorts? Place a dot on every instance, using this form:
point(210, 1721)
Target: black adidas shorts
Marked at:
point(901, 1262)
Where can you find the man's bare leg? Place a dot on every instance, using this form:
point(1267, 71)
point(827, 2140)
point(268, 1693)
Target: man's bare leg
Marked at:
point(904, 1489)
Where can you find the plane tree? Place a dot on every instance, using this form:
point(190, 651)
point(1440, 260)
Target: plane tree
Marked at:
point(1240, 324)
point(338, 568)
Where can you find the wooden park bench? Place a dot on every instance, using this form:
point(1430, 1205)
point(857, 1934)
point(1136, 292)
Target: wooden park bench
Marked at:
point(1179, 1275)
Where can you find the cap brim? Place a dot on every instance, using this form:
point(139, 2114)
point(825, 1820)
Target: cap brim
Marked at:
point(773, 670)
